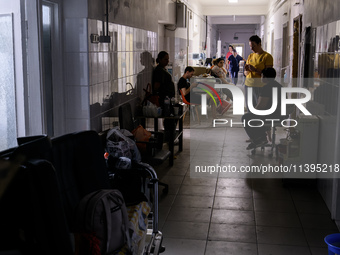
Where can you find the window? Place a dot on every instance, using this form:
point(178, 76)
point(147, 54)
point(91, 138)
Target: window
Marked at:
point(8, 124)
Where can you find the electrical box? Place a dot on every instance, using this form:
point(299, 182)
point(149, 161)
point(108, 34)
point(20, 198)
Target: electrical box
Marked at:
point(181, 14)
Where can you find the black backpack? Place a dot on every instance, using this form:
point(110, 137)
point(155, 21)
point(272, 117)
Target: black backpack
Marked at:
point(101, 224)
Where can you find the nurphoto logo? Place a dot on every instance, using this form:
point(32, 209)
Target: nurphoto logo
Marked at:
point(238, 100)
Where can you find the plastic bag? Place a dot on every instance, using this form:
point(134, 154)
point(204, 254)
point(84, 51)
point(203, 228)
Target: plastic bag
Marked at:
point(151, 110)
point(119, 145)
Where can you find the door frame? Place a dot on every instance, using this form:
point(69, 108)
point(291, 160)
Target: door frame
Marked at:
point(35, 121)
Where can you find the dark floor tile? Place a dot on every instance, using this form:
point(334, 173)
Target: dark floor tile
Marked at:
point(186, 230)
point(277, 219)
point(177, 246)
point(230, 248)
point(233, 192)
point(315, 237)
point(270, 249)
point(197, 190)
point(274, 205)
point(317, 221)
point(193, 201)
point(314, 207)
point(280, 235)
point(233, 233)
point(233, 217)
point(234, 203)
point(189, 214)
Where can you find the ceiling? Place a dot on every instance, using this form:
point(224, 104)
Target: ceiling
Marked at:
point(225, 2)
point(243, 7)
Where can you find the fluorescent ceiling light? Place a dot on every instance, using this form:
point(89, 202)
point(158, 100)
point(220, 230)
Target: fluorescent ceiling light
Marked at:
point(233, 1)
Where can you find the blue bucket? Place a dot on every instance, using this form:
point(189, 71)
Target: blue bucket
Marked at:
point(333, 242)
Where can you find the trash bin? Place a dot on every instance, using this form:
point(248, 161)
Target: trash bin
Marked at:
point(333, 242)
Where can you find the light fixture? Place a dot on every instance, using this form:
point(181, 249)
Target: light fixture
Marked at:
point(233, 1)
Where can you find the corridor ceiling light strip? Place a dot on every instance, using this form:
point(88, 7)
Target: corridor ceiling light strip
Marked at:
point(233, 1)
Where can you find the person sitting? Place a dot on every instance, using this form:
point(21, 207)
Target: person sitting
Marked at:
point(219, 71)
point(184, 85)
point(258, 134)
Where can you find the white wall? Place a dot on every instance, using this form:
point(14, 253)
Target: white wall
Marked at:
point(319, 15)
point(243, 33)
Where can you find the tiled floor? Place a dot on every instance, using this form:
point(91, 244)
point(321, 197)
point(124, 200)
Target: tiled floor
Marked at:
point(214, 214)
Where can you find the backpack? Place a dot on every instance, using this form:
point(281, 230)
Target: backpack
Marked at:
point(101, 224)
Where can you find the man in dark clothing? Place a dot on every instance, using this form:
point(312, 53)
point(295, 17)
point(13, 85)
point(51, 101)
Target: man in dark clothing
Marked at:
point(234, 68)
point(185, 87)
point(258, 134)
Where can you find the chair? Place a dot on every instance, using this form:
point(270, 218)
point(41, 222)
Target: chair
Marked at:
point(34, 187)
point(154, 152)
point(192, 107)
point(272, 144)
point(273, 127)
point(80, 165)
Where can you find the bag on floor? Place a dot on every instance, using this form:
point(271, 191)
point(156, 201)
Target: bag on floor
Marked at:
point(101, 224)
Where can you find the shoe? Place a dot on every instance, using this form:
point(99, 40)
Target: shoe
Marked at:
point(251, 146)
point(258, 143)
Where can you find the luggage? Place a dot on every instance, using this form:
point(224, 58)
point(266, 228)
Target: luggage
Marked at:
point(118, 144)
point(101, 224)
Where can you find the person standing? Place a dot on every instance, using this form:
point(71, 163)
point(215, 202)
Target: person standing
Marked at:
point(256, 62)
point(230, 52)
point(145, 76)
point(162, 84)
point(234, 68)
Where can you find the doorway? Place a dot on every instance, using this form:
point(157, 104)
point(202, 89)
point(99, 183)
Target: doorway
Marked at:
point(285, 56)
point(47, 27)
point(239, 47)
point(296, 56)
point(296, 48)
point(51, 69)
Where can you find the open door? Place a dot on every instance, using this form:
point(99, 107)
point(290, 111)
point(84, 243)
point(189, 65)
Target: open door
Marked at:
point(296, 56)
